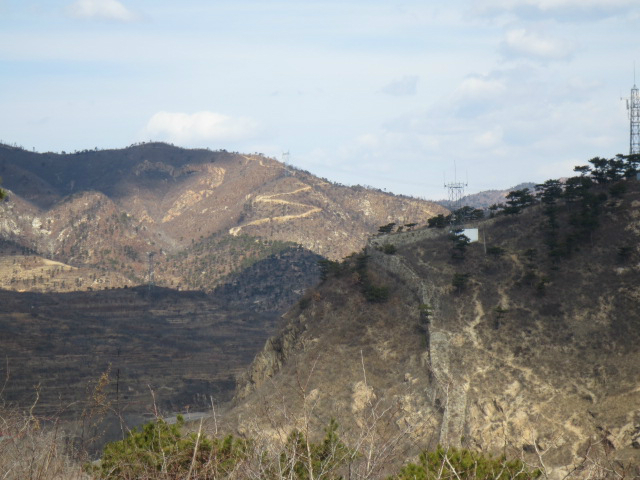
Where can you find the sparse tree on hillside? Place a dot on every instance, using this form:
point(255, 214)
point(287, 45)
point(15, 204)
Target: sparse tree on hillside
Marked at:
point(459, 281)
point(460, 243)
point(439, 221)
point(549, 192)
point(388, 228)
point(577, 187)
point(518, 200)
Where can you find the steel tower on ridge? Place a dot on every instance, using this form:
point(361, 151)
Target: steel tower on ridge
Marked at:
point(633, 105)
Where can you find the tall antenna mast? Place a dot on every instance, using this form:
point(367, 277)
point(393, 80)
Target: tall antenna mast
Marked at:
point(285, 161)
point(455, 189)
point(634, 117)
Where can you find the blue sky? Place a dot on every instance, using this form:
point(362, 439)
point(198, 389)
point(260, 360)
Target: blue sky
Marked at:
point(388, 94)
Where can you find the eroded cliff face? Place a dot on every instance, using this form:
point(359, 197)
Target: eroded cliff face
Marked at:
point(533, 354)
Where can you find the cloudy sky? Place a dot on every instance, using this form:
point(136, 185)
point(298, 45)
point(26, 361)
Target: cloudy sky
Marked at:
point(383, 93)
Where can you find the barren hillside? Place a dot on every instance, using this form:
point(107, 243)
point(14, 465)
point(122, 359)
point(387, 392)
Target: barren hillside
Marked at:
point(527, 344)
point(204, 214)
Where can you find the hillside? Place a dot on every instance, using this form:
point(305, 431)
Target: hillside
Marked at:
point(526, 345)
point(76, 231)
point(197, 210)
point(185, 346)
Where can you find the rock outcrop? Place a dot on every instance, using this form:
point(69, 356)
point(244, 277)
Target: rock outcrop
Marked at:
point(528, 353)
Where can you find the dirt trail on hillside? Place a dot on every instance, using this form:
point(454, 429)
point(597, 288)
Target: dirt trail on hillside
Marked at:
point(282, 218)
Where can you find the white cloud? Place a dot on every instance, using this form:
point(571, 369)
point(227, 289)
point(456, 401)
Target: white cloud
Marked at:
point(568, 9)
point(200, 126)
point(521, 42)
point(103, 9)
point(547, 5)
point(477, 86)
point(490, 138)
point(407, 85)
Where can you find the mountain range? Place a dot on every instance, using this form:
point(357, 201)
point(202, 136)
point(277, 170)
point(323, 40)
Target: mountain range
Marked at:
point(109, 258)
point(202, 215)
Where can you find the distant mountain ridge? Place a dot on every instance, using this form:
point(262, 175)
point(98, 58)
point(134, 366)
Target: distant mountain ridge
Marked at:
point(109, 209)
point(486, 198)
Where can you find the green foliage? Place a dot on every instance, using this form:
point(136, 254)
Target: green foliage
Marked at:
point(388, 228)
point(618, 189)
point(304, 303)
point(389, 248)
point(549, 192)
point(439, 221)
point(583, 170)
point(330, 268)
point(426, 313)
point(466, 213)
point(357, 264)
point(632, 166)
point(625, 252)
point(463, 464)
point(541, 286)
point(459, 281)
point(603, 170)
point(372, 293)
point(159, 450)
point(577, 187)
point(500, 312)
point(158, 447)
point(376, 293)
point(495, 209)
point(496, 251)
point(518, 200)
point(460, 243)
point(304, 460)
point(586, 220)
point(456, 217)
point(607, 170)
point(531, 254)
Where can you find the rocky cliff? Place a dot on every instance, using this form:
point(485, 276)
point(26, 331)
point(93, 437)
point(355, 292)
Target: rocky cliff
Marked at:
point(524, 344)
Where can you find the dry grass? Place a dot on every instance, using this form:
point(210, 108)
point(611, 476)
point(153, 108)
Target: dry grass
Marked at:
point(31, 450)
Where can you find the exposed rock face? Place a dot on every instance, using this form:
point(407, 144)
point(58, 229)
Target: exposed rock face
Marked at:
point(534, 355)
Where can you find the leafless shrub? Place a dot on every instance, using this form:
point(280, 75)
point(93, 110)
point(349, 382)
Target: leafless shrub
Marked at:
point(32, 449)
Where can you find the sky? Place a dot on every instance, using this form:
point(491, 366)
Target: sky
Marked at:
point(399, 95)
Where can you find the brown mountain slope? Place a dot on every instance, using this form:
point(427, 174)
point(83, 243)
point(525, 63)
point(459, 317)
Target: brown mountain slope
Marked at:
point(108, 209)
point(185, 346)
point(533, 353)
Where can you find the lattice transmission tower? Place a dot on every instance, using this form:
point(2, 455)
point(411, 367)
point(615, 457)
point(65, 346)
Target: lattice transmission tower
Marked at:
point(285, 160)
point(455, 190)
point(633, 105)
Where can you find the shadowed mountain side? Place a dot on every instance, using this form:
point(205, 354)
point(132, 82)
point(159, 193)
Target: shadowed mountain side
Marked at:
point(528, 348)
point(184, 346)
point(273, 284)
